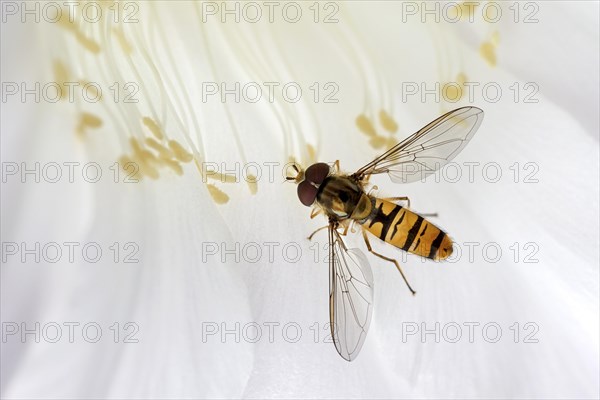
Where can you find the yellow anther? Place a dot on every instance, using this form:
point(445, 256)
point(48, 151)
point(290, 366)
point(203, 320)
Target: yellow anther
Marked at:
point(180, 153)
point(252, 183)
point(218, 195)
point(365, 126)
point(388, 122)
point(88, 120)
point(312, 154)
point(488, 52)
point(153, 127)
point(160, 149)
point(174, 165)
point(378, 142)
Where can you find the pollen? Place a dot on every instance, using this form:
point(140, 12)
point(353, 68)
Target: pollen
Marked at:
point(135, 145)
point(365, 126)
point(312, 154)
point(88, 120)
point(452, 92)
point(153, 127)
point(487, 50)
point(391, 142)
point(180, 153)
point(124, 162)
point(224, 178)
point(150, 156)
point(227, 178)
point(388, 122)
point(130, 167)
point(252, 183)
point(147, 156)
point(378, 142)
point(174, 165)
point(218, 195)
point(147, 164)
point(147, 169)
point(162, 151)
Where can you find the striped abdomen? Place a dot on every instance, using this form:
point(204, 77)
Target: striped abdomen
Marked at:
point(406, 230)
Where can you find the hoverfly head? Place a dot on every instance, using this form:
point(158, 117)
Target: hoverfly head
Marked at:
point(312, 179)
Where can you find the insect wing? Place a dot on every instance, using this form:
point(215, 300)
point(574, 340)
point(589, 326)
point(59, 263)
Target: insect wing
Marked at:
point(350, 296)
point(429, 149)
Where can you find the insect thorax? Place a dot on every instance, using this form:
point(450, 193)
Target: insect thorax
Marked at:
point(340, 196)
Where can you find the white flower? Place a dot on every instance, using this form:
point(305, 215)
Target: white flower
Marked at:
point(201, 203)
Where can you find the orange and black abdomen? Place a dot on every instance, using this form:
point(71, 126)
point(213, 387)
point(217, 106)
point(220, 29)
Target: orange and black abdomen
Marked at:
point(406, 230)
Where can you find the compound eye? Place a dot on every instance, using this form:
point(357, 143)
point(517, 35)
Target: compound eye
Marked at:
point(317, 173)
point(307, 193)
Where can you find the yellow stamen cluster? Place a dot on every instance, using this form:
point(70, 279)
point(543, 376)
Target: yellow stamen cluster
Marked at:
point(150, 154)
point(365, 125)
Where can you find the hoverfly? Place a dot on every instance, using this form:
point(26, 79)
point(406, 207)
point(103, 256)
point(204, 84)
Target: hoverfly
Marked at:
point(344, 201)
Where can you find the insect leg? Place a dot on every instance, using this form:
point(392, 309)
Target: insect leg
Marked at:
point(351, 226)
point(320, 229)
point(346, 229)
point(403, 198)
point(336, 165)
point(315, 212)
point(387, 259)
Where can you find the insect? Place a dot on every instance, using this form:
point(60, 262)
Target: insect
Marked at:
point(343, 200)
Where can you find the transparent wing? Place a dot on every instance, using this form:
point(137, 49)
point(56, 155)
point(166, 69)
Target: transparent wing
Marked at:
point(428, 149)
point(350, 296)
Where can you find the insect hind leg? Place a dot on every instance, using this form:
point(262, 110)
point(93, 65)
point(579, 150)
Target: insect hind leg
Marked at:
point(402, 198)
point(387, 259)
point(318, 230)
point(405, 198)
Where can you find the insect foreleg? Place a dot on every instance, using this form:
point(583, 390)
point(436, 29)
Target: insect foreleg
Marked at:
point(336, 166)
point(315, 212)
point(387, 259)
point(320, 229)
